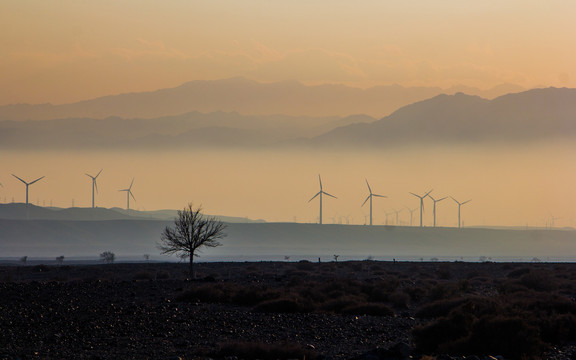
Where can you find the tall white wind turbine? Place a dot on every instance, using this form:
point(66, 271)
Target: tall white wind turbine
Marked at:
point(94, 185)
point(320, 193)
point(28, 184)
point(434, 210)
point(421, 203)
point(128, 194)
point(459, 205)
point(370, 196)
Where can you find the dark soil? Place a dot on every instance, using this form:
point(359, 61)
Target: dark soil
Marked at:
point(338, 310)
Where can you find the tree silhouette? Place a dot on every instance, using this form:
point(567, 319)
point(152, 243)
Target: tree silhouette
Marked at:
point(108, 257)
point(192, 230)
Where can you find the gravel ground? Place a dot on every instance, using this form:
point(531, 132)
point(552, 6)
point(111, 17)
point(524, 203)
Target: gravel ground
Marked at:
point(131, 311)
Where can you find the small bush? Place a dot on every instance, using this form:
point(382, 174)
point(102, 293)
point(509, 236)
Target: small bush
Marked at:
point(283, 305)
point(40, 268)
point(401, 300)
point(162, 275)
point(143, 275)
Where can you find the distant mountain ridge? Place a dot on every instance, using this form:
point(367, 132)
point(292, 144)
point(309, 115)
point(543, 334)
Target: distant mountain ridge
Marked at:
point(538, 114)
point(218, 129)
point(246, 97)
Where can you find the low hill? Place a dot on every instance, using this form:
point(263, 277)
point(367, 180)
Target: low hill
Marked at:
point(19, 211)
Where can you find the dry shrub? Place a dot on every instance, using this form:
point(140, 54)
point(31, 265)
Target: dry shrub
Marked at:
point(443, 291)
point(338, 304)
point(399, 299)
point(284, 305)
point(143, 275)
point(162, 275)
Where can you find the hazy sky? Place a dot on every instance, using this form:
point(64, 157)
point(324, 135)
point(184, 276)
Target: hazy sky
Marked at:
point(67, 50)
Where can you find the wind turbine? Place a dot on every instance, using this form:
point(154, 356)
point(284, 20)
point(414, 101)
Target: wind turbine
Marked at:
point(397, 212)
point(411, 214)
point(94, 185)
point(28, 184)
point(421, 203)
point(128, 194)
point(321, 192)
point(459, 205)
point(435, 201)
point(370, 196)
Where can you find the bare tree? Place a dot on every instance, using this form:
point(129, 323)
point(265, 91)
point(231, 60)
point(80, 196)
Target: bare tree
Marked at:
point(192, 230)
point(108, 257)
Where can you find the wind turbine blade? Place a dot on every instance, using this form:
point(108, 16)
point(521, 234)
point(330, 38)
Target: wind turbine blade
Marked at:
point(98, 173)
point(40, 178)
point(415, 194)
point(90, 176)
point(467, 201)
point(384, 196)
point(441, 199)
point(95, 185)
point(130, 192)
point(20, 179)
point(313, 197)
point(369, 189)
point(132, 183)
point(325, 193)
point(365, 200)
point(427, 193)
point(320, 180)
point(454, 200)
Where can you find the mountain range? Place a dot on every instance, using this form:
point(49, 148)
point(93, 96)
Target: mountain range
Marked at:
point(246, 97)
point(533, 115)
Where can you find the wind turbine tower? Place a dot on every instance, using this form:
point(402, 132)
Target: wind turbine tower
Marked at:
point(94, 185)
point(421, 203)
point(411, 214)
point(434, 209)
point(459, 205)
point(28, 184)
point(128, 194)
point(397, 216)
point(320, 193)
point(370, 196)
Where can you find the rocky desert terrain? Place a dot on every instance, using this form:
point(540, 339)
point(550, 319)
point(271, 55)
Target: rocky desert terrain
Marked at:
point(289, 310)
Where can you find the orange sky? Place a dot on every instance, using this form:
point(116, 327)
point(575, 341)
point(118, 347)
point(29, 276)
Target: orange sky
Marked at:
point(67, 50)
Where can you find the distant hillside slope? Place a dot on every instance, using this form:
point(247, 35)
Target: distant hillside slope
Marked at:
point(48, 239)
point(538, 114)
point(19, 211)
point(244, 96)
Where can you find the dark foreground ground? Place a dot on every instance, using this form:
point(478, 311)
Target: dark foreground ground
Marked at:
point(289, 310)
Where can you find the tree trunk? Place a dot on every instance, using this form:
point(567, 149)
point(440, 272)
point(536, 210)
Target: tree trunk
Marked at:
point(192, 275)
